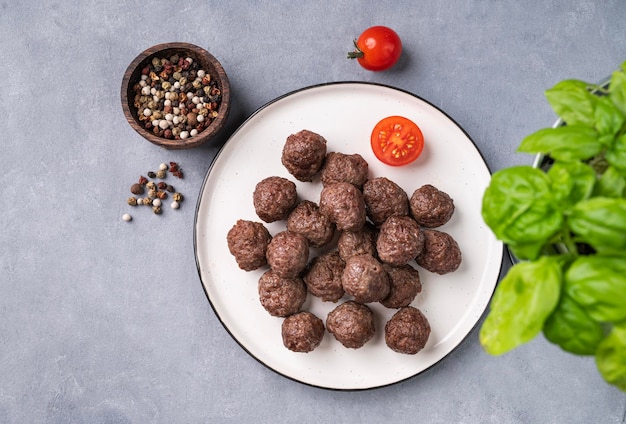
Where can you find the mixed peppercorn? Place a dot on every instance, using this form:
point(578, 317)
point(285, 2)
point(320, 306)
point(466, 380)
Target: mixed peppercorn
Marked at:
point(175, 98)
point(150, 193)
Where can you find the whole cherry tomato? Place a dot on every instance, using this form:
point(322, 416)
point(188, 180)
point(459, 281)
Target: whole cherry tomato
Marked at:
point(397, 141)
point(377, 48)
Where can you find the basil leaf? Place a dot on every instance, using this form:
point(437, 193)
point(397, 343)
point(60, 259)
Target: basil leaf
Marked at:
point(572, 329)
point(519, 207)
point(523, 300)
point(571, 182)
point(598, 284)
point(610, 184)
point(608, 118)
point(600, 222)
point(616, 155)
point(617, 90)
point(527, 251)
point(573, 102)
point(567, 143)
point(611, 357)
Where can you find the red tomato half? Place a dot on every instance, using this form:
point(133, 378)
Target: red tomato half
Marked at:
point(397, 141)
point(377, 48)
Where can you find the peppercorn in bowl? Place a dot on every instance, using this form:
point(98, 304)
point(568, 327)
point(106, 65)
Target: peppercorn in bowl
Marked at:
point(176, 95)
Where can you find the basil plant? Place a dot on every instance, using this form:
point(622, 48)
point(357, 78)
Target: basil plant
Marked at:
point(567, 225)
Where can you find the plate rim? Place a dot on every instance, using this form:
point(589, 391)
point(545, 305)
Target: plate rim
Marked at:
point(195, 233)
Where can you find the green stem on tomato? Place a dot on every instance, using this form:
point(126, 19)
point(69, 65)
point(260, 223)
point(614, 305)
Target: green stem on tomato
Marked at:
point(357, 53)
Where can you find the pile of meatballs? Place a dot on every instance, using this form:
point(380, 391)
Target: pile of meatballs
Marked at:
point(371, 231)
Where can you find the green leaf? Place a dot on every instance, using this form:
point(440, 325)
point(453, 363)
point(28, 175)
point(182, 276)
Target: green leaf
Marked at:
point(617, 90)
point(610, 184)
point(608, 118)
point(598, 284)
point(567, 143)
point(571, 182)
point(600, 222)
point(527, 251)
point(519, 207)
point(611, 357)
point(572, 329)
point(616, 155)
point(523, 300)
point(573, 102)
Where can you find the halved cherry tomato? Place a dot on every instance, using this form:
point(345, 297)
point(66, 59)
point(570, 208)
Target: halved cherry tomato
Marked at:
point(377, 48)
point(397, 141)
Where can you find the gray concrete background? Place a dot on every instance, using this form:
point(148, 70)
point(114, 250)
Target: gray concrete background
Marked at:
point(102, 321)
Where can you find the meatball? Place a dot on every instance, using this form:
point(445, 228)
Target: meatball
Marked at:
point(247, 242)
point(303, 154)
point(441, 253)
point(365, 279)
point(343, 204)
point(302, 332)
point(342, 168)
point(307, 220)
point(407, 331)
point(431, 207)
point(323, 277)
point(274, 198)
point(351, 323)
point(384, 198)
point(281, 296)
point(405, 286)
point(399, 241)
point(288, 253)
point(352, 243)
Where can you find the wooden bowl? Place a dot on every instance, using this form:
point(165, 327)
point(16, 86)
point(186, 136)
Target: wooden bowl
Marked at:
point(207, 62)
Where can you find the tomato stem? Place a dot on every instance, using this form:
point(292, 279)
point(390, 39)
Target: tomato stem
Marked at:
point(357, 53)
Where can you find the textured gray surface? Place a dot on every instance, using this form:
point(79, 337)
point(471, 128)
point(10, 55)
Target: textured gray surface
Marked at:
point(103, 321)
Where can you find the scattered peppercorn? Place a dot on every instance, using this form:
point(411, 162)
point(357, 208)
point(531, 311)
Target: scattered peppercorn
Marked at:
point(136, 188)
point(156, 191)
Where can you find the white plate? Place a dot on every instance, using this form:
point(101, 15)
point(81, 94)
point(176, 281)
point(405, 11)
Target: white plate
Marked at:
point(345, 113)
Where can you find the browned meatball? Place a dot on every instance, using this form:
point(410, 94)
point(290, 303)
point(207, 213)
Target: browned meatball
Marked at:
point(431, 207)
point(407, 331)
point(352, 243)
point(247, 242)
point(441, 253)
point(399, 240)
point(302, 332)
point(405, 286)
point(288, 253)
point(323, 277)
point(351, 323)
point(343, 204)
point(365, 279)
point(273, 198)
point(281, 296)
point(303, 154)
point(342, 168)
point(307, 220)
point(384, 198)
